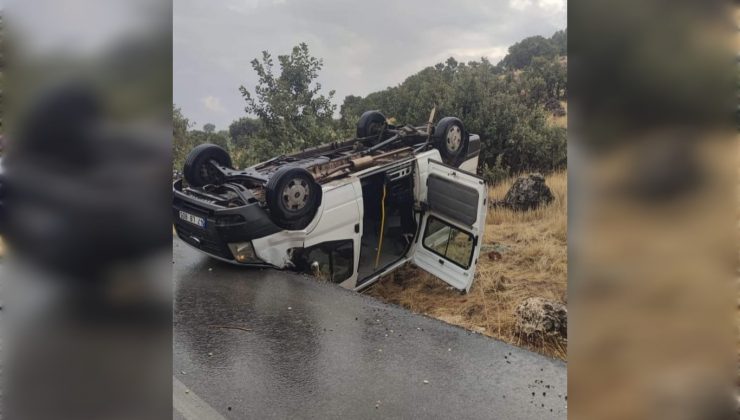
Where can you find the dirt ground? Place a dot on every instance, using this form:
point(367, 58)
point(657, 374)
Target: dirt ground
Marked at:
point(524, 255)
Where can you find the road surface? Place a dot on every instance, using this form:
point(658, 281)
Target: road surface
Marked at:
point(252, 343)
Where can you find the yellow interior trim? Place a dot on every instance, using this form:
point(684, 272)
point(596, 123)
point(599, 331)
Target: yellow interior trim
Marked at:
point(382, 228)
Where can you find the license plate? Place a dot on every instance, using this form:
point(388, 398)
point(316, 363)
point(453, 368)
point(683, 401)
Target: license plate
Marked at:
point(197, 221)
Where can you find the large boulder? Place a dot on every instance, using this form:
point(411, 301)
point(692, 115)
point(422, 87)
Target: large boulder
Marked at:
point(528, 192)
point(536, 315)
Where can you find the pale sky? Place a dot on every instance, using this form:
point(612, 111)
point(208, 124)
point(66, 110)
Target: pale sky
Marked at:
point(366, 45)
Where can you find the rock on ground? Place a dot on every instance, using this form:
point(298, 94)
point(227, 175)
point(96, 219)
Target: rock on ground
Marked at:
point(528, 192)
point(537, 315)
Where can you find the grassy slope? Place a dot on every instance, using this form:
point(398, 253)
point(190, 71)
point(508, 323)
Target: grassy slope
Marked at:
point(533, 262)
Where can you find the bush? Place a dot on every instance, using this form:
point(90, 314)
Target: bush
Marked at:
point(496, 173)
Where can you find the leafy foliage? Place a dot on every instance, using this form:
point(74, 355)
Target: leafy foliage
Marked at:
point(505, 106)
point(521, 54)
point(181, 143)
point(560, 41)
point(291, 109)
point(242, 129)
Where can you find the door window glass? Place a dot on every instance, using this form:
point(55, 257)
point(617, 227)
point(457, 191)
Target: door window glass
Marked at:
point(448, 242)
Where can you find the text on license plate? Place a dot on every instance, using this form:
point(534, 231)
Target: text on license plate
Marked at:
point(198, 221)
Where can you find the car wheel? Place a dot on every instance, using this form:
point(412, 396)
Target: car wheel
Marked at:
point(198, 170)
point(293, 197)
point(371, 123)
point(451, 140)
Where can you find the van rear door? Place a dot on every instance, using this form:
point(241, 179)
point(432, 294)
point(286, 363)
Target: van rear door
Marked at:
point(453, 224)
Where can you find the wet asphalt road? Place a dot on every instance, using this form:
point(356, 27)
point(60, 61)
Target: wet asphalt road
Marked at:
point(318, 351)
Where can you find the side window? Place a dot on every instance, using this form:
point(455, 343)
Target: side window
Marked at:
point(448, 242)
point(331, 261)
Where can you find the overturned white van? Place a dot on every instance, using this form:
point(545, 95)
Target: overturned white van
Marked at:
point(348, 212)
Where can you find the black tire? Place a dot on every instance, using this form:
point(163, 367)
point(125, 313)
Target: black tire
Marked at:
point(293, 197)
point(198, 170)
point(451, 140)
point(371, 123)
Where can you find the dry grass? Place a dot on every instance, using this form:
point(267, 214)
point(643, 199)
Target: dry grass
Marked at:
point(560, 121)
point(533, 262)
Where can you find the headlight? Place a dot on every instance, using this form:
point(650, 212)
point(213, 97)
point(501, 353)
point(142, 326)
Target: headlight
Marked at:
point(243, 252)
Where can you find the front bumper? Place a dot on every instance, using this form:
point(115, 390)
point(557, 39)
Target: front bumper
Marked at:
point(223, 225)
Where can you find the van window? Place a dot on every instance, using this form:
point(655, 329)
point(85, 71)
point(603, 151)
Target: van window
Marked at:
point(331, 261)
point(448, 242)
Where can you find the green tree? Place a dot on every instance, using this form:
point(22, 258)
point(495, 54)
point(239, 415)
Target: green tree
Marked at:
point(522, 53)
point(290, 106)
point(181, 143)
point(242, 133)
point(560, 41)
point(243, 128)
point(553, 74)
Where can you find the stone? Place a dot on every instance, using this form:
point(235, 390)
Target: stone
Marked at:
point(528, 192)
point(536, 315)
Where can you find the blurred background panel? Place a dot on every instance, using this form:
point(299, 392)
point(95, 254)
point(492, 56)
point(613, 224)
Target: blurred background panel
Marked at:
point(653, 209)
point(84, 208)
